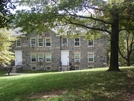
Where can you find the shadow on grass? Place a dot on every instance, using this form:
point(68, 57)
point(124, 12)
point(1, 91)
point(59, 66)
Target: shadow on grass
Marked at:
point(83, 85)
point(96, 86)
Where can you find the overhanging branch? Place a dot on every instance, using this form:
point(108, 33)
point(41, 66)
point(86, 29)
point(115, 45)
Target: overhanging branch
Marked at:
point(92, 28)
point(86, 17)
point(126, 29)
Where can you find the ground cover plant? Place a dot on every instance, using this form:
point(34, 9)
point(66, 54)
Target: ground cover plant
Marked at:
point(81, 85)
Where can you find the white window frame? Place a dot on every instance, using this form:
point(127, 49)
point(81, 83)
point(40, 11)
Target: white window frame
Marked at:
point(31, 44)
point(50, 57)
point(18, 41)
point(65, 44)
point(42, 59)
point(76, 42)
point(92, 53)
point(42, 42)
point(90, 45)
point(31, 57)
point(46, 42)
point(75, 57)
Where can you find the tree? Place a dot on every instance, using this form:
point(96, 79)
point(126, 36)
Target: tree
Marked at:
point(5, 35)
point(5, 50)
point(5, 13)
point(132, 58)
point(126, 46)
point(80, 16)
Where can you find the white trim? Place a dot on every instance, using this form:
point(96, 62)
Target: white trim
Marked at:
point(88, 57)
point(75, 41)
point(50, 58)
point(90, 45)
point(31, 57)
point(42, 58)
point(79, 54)
point(41, 42)
point(17, 42)
point(66, 43)
point(46, 43)
point(32, 45)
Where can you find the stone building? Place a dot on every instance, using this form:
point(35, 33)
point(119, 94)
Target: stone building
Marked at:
point(51, 52)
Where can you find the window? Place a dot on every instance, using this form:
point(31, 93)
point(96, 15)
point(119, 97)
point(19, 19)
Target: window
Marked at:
point(40, 42)
point(33, 42)
point(40, 57)
point(90, 43)
point(48, 58)
point(48, 42)
point(64, 42)
point(48, 68)
point(33, 68)
point(77, 57)
point(33, 57)
point(18, 42)
point(77, 41)
point(77, 68)
point(90, 57)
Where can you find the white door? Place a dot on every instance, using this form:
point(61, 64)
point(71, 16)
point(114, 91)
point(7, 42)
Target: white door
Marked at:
point(65, 57)
point(18, 57)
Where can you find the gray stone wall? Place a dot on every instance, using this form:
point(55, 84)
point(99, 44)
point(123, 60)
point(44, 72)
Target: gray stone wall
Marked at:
point(99, 49)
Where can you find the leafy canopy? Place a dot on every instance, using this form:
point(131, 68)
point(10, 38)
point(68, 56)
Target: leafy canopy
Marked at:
point(5, 50)
point(5, 12)
point(73, 16)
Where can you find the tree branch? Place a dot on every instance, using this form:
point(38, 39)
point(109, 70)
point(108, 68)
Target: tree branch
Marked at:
point(86, 17)
point(122, 54)
point(96, 19)
point(131, 47)
point(88, 11)
point(98, 29)
point(127, 39)
point(126, 29)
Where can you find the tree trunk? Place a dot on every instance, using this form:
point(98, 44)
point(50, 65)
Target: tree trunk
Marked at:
point(114, 47)
point(128, 63)
point(128, 60)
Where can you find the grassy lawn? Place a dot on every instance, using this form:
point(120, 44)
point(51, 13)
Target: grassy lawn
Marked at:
point(2, 73)
point(82, 85)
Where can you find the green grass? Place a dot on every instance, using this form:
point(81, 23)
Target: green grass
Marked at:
point(84, 85)
point(36, 71)
point(3, 72)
